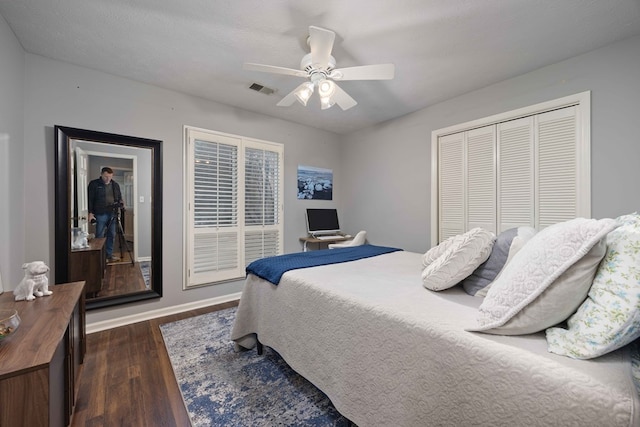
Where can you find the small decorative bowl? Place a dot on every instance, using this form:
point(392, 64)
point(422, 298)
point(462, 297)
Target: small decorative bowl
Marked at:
point(9, 322)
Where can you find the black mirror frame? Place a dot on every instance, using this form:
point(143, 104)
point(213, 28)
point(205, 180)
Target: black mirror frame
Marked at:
point(63, 136)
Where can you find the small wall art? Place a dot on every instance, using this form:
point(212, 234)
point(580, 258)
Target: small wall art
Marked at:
point(315, 183)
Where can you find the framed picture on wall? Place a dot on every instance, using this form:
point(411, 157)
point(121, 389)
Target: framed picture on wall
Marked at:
point(315, 183)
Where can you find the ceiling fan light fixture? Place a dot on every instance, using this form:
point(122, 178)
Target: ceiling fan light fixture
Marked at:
point(326, 88)
point(319, 67)
point(304, 93)
point(326, 102)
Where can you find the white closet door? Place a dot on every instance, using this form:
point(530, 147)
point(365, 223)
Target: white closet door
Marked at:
point(516, 203)
point(557, 181)
point(541, 161)
point(481, 178)
point(451, 186)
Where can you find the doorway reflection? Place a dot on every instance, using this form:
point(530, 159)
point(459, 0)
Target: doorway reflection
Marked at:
point(129, 270)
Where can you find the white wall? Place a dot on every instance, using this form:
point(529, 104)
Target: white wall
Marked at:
point(388, 179)
point(57, 93)
point(12, 198)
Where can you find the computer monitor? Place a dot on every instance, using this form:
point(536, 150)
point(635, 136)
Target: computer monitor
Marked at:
point(322, 221)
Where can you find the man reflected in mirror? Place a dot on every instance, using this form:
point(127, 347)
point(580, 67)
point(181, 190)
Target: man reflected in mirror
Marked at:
point(105, 199)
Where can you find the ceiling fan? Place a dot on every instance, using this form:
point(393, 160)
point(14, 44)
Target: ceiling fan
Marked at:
point(319, 68)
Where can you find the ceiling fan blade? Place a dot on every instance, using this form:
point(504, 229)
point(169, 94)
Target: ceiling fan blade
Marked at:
point(321, 44)
point(273, 69)
point(343, 99)
point(364, 72)
point(290, 98)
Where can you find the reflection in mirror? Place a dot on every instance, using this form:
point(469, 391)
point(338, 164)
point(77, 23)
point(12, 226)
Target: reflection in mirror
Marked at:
point(131, 272)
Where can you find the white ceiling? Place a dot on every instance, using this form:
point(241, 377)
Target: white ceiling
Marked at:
point(441, 48)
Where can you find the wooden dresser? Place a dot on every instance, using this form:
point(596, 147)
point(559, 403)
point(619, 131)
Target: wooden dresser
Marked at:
point(88, 264)
point(40, 363)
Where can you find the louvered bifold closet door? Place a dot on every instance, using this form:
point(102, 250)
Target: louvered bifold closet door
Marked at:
point(481, 178)
point(215, 253)
point(557, 181)
point(451, 186)
point(516, 190)
point(263, 207)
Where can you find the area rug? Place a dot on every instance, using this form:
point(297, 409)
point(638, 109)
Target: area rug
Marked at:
point(145, 269)
point(223, 388)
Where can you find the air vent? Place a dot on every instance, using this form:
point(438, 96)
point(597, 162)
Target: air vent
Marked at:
point(262, 89)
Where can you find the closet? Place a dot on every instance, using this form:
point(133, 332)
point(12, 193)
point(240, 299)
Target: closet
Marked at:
point(526, 167)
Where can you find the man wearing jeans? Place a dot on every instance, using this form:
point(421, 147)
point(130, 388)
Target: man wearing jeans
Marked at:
point(105, 199)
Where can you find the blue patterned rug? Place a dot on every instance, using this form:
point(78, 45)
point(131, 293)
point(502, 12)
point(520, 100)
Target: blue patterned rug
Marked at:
point(145, 269)
point(223, 388)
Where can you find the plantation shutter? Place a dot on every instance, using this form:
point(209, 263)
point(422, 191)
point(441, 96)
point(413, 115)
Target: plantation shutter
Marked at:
point(516, 206)
point(234, 206)
point(557, 191)
point(451, 192)
point(263, 219)
point(215, 252)
point(481, 178)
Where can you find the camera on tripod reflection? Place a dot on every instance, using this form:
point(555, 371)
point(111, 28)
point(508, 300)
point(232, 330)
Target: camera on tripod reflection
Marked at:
point(114, 209)
point(117, 205)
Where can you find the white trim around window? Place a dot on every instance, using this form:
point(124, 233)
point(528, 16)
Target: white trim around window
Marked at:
point(233, 205)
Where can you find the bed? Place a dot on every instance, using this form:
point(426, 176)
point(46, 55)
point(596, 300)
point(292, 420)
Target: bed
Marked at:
point(386, 351)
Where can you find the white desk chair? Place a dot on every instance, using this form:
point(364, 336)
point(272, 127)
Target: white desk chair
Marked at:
point(359, 239)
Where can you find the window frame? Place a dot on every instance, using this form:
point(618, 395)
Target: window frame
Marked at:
point(190, 135)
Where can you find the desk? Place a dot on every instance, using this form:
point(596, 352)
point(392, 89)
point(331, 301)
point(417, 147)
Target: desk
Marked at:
point(309, 239)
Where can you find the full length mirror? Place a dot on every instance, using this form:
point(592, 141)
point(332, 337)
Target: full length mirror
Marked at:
point(108, 222)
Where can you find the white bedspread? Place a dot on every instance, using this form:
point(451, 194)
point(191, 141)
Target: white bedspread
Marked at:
point(388, 352)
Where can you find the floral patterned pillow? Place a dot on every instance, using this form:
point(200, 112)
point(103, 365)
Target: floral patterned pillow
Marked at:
point(610, 316)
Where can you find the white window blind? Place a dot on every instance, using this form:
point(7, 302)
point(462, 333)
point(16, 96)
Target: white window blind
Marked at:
point(513, 169)
point(234, 187)
point(263, 236)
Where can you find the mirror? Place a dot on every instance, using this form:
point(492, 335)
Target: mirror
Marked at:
point(80, 254)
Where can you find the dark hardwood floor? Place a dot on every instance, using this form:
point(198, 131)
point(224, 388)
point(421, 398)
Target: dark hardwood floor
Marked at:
point(127, 379)
point(121, 279)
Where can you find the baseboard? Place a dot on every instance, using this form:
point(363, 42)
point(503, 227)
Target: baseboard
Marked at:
point(153, 314)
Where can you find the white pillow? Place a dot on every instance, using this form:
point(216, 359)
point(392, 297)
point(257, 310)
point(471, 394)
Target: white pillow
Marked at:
point(610, 317)
point(435, 252)
point(537, 267)
point(458, 260)
point(524, 235)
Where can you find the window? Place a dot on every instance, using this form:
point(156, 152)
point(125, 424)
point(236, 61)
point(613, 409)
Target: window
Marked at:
point(234, 208)
point(525, 167)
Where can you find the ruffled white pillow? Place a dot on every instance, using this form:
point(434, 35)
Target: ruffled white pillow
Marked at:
point(533, 292)
point(435, 252)
point(457, 259)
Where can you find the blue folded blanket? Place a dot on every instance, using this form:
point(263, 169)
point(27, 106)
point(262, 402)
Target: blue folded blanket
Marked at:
point(272, 268)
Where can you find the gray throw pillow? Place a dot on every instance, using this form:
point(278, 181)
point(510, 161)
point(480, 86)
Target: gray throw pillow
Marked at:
point(487, 271)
